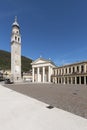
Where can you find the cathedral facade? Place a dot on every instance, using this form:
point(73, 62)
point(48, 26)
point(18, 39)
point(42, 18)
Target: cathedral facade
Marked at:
point(42, 70)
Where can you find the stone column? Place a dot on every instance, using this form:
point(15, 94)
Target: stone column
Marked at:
point(55, 80)
point(38, 69)
point(43, 73)
point(67, 80)
point(80, 68)
point(85, 80)
point(55, 71)
point(85, 68)
point(32, 74)
point(63, 71)
point(79, 79)
point(67, 70)
point(58, 71)
point(49, 74)
point(64, 80)
point(61, 80)
point(75, 80)
point(71, 80)
point(71, 70)
point(75, 68)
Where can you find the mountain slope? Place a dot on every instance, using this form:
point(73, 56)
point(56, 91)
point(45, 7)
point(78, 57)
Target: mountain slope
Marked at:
point(5, 61)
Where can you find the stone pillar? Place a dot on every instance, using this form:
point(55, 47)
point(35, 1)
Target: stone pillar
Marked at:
point(55, 79)
point(80, 68)
point(79, 79)
point(67, 80)
point(32, 74)
point(38, 69)
point(63, 71)
point(55, 71)
point(85, 80)
point(71, 80)
point(71, 70)
point(43, 73)
point(85, 68)
point(58, 71)
point(67, 70)
point(49, 74)
point(75, 68)
point(75, 80)
point(64, 80)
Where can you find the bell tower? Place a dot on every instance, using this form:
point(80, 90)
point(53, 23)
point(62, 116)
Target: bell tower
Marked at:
point(16, 52)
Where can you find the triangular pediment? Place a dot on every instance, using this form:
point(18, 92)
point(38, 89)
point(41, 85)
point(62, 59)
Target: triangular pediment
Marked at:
point(40, 61)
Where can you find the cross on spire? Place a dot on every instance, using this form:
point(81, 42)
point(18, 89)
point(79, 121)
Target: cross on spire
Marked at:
point(15, 22)
point(15, 18)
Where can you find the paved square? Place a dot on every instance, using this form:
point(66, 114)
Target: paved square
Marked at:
point(71, 98)
point(20, 112)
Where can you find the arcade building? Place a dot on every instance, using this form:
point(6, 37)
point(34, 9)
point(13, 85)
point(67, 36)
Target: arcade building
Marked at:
point(44, 71)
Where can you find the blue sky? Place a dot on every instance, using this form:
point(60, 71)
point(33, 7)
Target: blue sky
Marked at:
point(55, 29)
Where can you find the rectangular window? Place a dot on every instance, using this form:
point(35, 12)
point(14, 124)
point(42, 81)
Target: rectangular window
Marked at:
point(69, 70)
point(73, 69)
point(77, 68)
point(82, 68)
point(62, 71)
point(66, 70)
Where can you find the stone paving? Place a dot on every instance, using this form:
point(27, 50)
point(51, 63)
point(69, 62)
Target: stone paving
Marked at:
point(21, 112)
point(71, 98)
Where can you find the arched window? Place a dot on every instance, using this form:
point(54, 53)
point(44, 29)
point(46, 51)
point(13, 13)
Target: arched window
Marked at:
point(15, 38)
point(18, 39)
point(17, 32)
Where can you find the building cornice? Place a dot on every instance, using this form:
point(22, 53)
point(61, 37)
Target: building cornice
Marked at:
point(72, 64)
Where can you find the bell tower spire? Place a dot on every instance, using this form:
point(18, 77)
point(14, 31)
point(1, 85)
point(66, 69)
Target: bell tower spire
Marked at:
point(16, 51)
